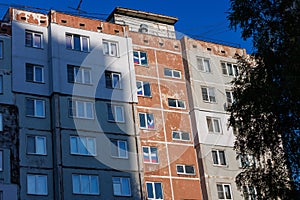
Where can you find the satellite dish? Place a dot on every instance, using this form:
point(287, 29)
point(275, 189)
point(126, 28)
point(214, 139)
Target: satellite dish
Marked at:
point(143, 28)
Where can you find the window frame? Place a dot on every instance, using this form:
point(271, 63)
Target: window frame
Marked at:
point(89, 183)
point(248, 194)
point(109, 43)
point(111, 75)
point(139, 58)
point(113, 108)
point(1, 49)
point(224, 191)
point(1, 84)
point(35, 184)
point(146, 120)
point(180, 136)
point(150, 155)
point(75, 109)
point(87, 148)
point(33, 67)
point(172, 71)
point(184, 169)
point(118, 148)
point(1, 160)
point(121, 183)
point(35, 145)
point(143, 83)
point(203, 64)
point(210, 93)
point(213, 120)
point(227, 67)
point(230, 93)
point(1, 122)
point(246, 161)
point(80, 72)
point(34, 34)
point(154, 190)
point(177, 102)
point(219, 159)
point(34, 107)
point(80, 42)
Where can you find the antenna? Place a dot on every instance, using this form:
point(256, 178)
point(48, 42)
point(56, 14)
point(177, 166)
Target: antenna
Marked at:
point(78, 7)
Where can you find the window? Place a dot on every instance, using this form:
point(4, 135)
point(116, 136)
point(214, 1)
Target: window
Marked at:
point(119, 149)
point(229, 69)
point(172, 73)
point(178, 135)
point(203, 64)
point(224, 191)
point(77, 42)
point(218, 157)
point(246, 160)
point(81, 109)
point(185, 169)
point(1, 122)
point(229, 97)
point(35, 107)
point(85, 184)
point(121, 186)
point(36, 145)
point(176, 103)
point(213, 125)
point(83, 145)
point(113, 80)
point(115, 113)
point(249, 192)
point(33, 39)
point(143, 88)
point(140, 58)
point(150, 154)
point(1, 84)
point(34, 73)
point(208, 94)
point(78, 74)
point(146, 120)
point(1, 160)
point(1, 49)
point(37, 184)
point(154, 190)
point(110, 48)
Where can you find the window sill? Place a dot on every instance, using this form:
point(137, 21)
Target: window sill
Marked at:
point(111, 56)
point(114, 157)
point(86, 155)
point(41, 48)
point(150, 97)
point(151, 163)
point(44, 117)
point(115, 122)
point(36, 82)
point(148, 129)
point(35, 154)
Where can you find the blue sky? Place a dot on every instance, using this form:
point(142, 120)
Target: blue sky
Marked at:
point(203, 18)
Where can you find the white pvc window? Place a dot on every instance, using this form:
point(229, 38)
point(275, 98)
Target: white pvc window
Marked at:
point(176, 103)
point(172, 73)
point(154, 190)
point(36, 145)
point(85, 184)
point(140, 58)
point(224, 191)
point(119, 149)
point(78, 74)
point(83, 145)
point(229, 69)
point(115, 113)
point(185, 169)
point(77, 42)
point(110, 48)
point(81, 109)
point(208, 94)
point(218, 157)
point(179, 135)
point(34, 73)
point(213, 125)
point(203, 64)
point(121, 186)
point(37, 184)
point(33, 39)
point(35, 107)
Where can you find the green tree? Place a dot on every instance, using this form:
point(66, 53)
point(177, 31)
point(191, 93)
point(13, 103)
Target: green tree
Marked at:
point(266, 108)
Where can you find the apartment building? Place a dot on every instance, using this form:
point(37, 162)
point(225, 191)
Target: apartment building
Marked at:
point(210, 68)
point(9, 154)
point(162, 113)
point(73, 85)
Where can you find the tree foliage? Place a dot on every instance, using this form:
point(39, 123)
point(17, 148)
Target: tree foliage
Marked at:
point(266, 108)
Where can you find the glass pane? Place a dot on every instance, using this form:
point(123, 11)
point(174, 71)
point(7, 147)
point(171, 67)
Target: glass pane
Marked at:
point(229, 68)
point(228, 96)
point(94, 185)
point(150, 190)
point(150, 121)
point(30, 144)
point(29, 72)
point(39, 108)
point(143, 56)
point(116, 81)
point(28, 39)
point(114, 148)
point(85, 44)
point(41, 145)
point(209, 124)
point(113, 49)
point(82, 146)
point(1, 84)
point(158, 191)
point(200, 64)
point(41, 184)
point(212, 96)
point(76, 39)
point(179, 169)
point(235, 69)
point(71, 74)
point(224, 69)
point(108, 79)
point(105, 48)
point(185, 136)
point(207, 65)
point(136, 59)
point(220, 191)
point(87, 76)
point(110, 114)
point(30, 107)
point(123, 149)
point(85, 184)
point(74, 144)
point(91, 146)
point(215, 157)
point(31, 184)
point(117, 186)
point(78, 76)
point(38, 74)
point(222, 157)
point(125, 186)
point(217, 126)
point(227, 191)
point(176, 74)
point(80, 109)
point(189, 169)
point(76, 184)
point(142, 120)
point(168, 72)
point(139, 87)
point(119, 114)
point(146, 154)
point(204, 94)
point(181, 104)
point(68, 41)
point(172, 102)
point(176, 135)
point(154, 157)
point(89, 109)
point(147, 90)
point(37, 41)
